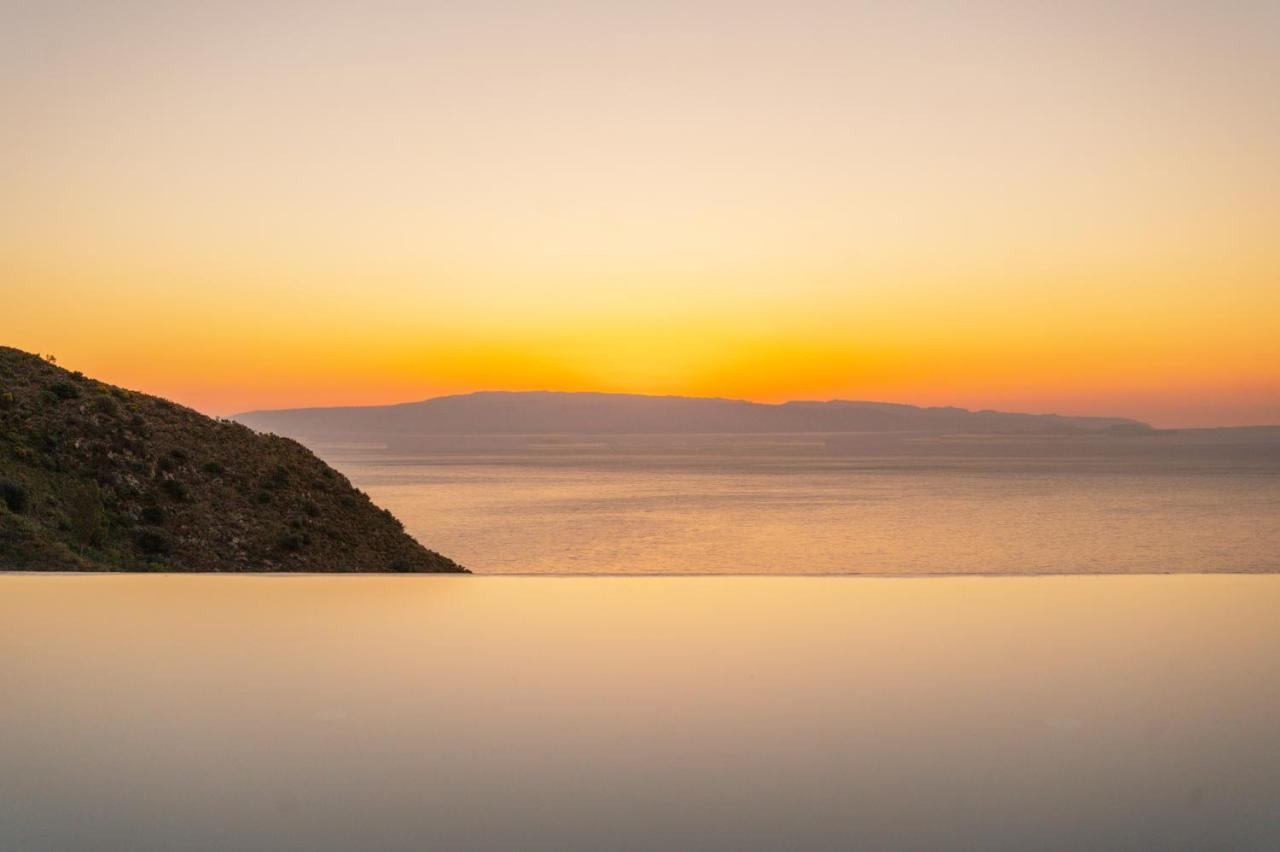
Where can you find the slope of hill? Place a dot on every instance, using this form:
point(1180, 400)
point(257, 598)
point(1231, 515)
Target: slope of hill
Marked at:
point(95, 477)
point(543, 412)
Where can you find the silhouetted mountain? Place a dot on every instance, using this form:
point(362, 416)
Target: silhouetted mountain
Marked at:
point(98, 478)
point(545, 412)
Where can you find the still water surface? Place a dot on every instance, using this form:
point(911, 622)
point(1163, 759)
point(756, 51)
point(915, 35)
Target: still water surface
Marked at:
point(833, 503)
point(564, 713)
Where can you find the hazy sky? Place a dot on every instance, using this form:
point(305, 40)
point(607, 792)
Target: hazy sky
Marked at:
point(1041, 206)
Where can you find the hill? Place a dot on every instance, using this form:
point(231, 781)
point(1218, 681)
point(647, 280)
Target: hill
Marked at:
point(96, 477)
point(542, 412)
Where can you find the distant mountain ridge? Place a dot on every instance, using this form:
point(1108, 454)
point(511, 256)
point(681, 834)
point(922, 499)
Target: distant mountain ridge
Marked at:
point(557, 412)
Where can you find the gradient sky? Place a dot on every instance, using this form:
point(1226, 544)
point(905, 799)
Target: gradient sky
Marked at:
point(1068, 207)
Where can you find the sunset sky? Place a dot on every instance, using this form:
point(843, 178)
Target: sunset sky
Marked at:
point(1068, 207)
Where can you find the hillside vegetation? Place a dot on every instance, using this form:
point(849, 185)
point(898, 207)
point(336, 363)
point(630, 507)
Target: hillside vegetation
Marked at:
point(96, 477)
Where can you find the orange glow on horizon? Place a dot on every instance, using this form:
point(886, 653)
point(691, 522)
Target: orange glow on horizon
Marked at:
point(1052, 209)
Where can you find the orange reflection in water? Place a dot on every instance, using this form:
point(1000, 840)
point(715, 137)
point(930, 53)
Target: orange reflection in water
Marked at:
point(729, 712)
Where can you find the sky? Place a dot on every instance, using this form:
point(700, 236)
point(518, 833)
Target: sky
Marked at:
point(1069, 207)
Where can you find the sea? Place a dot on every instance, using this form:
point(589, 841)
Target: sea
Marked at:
point(820, 642)
point(1201, 501)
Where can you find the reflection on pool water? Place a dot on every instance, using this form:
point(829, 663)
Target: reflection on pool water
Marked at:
point(213, 712)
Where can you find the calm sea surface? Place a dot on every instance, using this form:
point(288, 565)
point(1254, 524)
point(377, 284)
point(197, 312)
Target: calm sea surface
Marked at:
point(833, 503)
point(574, 713)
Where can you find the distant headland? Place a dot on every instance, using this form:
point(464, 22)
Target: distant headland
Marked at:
point(550, 412)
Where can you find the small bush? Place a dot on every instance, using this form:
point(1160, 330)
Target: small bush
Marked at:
point(153, 515)
point(179, 456)
point(174, 489)
point(64, 390)
point(213, 468)
point(278, 478)
point(14, 496)
point(292, 542)
point(125, 490)
point(150, 540)
point(311, 509)
point(106, 404)
point(86, 516)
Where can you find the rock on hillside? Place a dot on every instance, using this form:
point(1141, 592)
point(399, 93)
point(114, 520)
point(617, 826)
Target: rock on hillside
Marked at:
point(98, 478)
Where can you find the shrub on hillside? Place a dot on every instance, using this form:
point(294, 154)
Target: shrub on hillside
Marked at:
point(86, 516)
point(153, 541)
point(14, 496)
point(64, 390)
point(278, 478)
point(106, 404)
point(175, 489)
